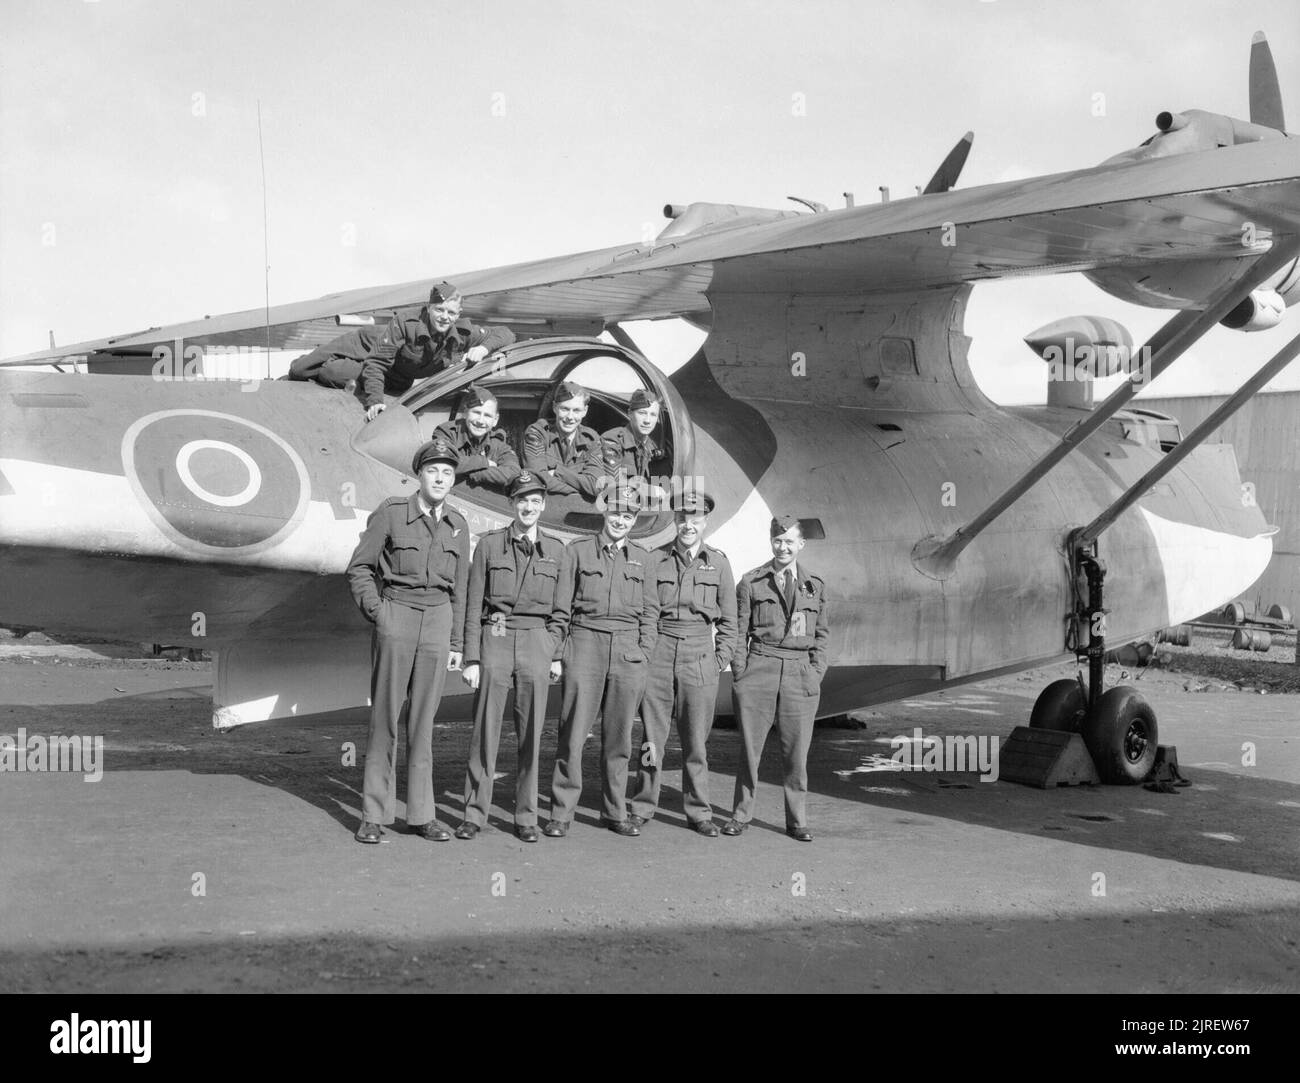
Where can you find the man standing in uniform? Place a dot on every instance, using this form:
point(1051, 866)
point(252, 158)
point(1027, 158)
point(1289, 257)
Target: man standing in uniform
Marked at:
point(784, 615)
point(485, 454)
point(567, 453)
point(628, 450)
point(415, 349)
point(408, 576)
point(511, 635)
point(610, 613)
point(697, 598)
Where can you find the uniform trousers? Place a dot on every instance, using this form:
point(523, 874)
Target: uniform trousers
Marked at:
point(780, 691)
point(517, 660)
point(332, 372)
point(682, 685)
point(605, 674)
point(408, 650)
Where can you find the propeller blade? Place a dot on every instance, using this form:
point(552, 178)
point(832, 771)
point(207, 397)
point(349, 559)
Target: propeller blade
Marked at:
point(1265, 97)
point(946, 175)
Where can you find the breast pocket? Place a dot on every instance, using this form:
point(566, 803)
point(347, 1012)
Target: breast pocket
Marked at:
point(633, 586)
point(706, 590)
point(541, 581)
point(768, 612)
point(804, 620)
point(501, 578)
point(408, 555)
point(447, 556)
point(591, 584)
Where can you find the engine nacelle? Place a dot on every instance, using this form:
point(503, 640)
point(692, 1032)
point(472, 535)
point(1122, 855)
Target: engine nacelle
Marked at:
point(1258, 312)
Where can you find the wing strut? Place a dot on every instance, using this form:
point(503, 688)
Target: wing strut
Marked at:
point(1085, 536)
point(1089, 617)
point(936, 556)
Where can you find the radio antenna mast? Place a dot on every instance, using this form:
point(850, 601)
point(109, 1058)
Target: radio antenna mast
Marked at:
point(266, 250)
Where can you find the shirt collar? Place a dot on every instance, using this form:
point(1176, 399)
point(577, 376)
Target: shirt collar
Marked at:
point(605, 540)
point(531, 534)
point(428, 509)
point(686, 554)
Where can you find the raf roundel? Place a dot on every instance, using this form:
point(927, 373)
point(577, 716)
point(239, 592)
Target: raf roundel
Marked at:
point(213, 482)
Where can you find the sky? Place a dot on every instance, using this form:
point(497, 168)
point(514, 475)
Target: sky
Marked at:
point(408, 140)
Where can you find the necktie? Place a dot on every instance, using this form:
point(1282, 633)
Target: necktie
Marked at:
point(787, 585)
point(525, 544)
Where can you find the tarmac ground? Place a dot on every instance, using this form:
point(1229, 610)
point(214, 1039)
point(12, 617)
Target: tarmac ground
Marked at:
point(206, 861)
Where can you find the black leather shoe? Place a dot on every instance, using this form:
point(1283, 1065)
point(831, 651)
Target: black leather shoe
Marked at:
point(433, 831)
point(368, 832)
point(799, 834)
point(622, 827)
point(734, 827)
point(707, 828)
point(467, 830)
point(635, 820)
point(555, 829)
point(526, 833)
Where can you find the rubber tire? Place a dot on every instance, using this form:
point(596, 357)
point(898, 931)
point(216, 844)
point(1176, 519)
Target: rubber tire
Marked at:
point(1234, 613)
point(1059, 706)
point(1106, 732)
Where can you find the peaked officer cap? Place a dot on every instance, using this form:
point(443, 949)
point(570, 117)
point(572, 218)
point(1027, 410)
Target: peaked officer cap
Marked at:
point(525, 483)
point(623, 498)
point(435, 451)
point(691, 500)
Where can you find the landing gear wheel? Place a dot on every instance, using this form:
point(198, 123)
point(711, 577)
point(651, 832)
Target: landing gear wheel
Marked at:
point(1121, 736)
point(1059, 706)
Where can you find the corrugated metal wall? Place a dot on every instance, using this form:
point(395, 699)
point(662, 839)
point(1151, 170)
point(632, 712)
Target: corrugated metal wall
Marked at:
point(1266, 435)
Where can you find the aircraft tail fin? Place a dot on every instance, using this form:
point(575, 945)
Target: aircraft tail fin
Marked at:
point(1265, 96)
point(950, 169)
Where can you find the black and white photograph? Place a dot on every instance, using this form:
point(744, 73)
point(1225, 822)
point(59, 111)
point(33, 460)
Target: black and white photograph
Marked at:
point(650, 498)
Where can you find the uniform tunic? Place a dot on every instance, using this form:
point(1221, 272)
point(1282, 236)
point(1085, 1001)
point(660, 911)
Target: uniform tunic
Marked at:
point(603, 601)
point(410, 349)
point(408, 577)
point(697, 598)
point(626, 455)
point(569, 466)
point(511, 630)
point(776, 680)
point(490, 461)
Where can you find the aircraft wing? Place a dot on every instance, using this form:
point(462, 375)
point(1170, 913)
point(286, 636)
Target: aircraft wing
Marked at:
point(1206, 204)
